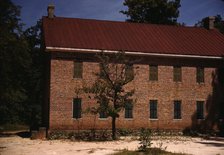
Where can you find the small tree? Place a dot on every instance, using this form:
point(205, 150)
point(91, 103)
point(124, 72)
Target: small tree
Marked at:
point(116, 71)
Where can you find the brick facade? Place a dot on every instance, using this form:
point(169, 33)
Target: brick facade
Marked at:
point(63, 88)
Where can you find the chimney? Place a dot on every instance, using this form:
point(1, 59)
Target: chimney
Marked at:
point(50, 11)
point(209, 22)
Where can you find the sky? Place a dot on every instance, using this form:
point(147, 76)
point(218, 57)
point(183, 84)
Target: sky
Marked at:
point(191, 11)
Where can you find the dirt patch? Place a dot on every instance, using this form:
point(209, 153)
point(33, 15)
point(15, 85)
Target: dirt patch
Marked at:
point(17, 145)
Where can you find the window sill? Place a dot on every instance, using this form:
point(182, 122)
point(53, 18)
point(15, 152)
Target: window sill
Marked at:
point(77, 119)
point(153, 119)
point(177, 119)
point(77, 78)
point(129, 119)
point(102, 119)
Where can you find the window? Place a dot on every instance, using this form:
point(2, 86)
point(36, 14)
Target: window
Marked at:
point(153, 109)
point(200, 109)
point(177, 77)
point(129, 109)
point(77, 108)
point(153, 73)
point(78, 69)
point(177, 109)
point(129, 72)
point(200, 75)
point(103, 108)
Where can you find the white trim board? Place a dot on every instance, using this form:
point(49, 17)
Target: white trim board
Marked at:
point(131, 53)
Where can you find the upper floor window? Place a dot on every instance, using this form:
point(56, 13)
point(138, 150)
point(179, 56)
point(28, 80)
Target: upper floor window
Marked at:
point(177, 75)
point(77, 107)
point(153, 73)
point(153, 109)
point(200, 75)
point(129, 72)
point(78, 67)
point(200, 109)
point(177, 109)
point(129, 109)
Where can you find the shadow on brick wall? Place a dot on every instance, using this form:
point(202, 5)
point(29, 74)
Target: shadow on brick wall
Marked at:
point(214, 107)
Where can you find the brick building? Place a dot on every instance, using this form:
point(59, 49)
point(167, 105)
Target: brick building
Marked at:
point(176, 82)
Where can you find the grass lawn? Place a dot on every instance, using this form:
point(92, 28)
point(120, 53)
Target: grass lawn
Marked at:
point(151, 151)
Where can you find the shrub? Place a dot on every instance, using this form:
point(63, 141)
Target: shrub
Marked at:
point(145, 139)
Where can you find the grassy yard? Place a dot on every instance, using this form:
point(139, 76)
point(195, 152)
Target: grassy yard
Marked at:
point(151, 151)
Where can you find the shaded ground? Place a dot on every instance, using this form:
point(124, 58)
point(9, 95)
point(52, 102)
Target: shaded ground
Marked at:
point(17, 145)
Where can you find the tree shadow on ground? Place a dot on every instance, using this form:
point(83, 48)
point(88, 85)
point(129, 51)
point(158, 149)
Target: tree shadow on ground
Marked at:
point(212, 144)
point(22, 134)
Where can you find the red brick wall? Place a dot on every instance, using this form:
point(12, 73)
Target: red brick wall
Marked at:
point(63, 88)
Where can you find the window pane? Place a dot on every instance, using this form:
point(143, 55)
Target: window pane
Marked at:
point(200, 74)
point(177, 109)
point(129, 109)
point(103, 109)
point(77, 108)
point(129, 72)
point(153, 109)
point(153, 73)
point(200, 109)
point(177, 76)
point(78, 69)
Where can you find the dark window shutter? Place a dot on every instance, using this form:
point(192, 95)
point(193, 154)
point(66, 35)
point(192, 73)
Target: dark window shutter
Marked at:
point(153, 109)
point(200, 109)
point(177, 75)
point(129, 109)
point(177, 109)
point(78, 67)
point(153, 73)
point(103, 108)
point(200, 74)
point(129, 72)
point(77, 108)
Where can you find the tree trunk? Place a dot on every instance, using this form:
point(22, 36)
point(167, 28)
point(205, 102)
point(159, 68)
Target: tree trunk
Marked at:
point(114, 128)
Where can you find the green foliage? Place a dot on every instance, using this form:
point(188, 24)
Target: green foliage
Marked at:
point(152, 11)
point(145, 139)
point(218, 23)
point(151, 151)
point(87, 135)
point(14, 65)
point(21, 68)
point(108, 89)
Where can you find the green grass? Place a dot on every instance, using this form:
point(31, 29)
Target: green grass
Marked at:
point(151, 151)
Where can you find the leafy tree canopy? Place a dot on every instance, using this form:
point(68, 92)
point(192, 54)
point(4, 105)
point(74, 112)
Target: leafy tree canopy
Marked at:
point(218, 23)
point(14, 63)
point(152, 11)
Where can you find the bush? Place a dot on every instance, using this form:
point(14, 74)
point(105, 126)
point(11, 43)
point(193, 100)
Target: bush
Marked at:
point(85, 135)
point(145, 139)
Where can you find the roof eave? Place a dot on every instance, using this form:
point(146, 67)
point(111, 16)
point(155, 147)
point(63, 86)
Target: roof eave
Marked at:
point(50, 49)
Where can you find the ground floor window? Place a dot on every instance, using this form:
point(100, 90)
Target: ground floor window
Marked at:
point(153, 109)
point(200, 109)
point(77, 107)
point(129, 109)
point(177, 109)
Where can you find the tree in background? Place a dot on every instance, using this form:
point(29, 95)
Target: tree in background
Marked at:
point(219, 23)
point(152, 11)
point(14, 64)
point(116, 71)
point(36, 79)
point(21, 69)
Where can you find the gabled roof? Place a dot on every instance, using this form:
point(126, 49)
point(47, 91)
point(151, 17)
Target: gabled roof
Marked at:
point(133, 37)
